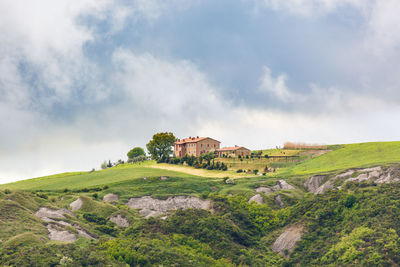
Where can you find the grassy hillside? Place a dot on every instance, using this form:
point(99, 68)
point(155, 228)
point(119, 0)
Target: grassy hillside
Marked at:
point(349, 156)
point(80, 180)
point(354, 226)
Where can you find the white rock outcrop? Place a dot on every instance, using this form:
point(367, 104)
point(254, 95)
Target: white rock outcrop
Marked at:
point(111, 198)
point(287, 240)
point(120, 220)
point(151, 207)
point(280, 185)
point(56, 225)
point(60, 234)
point(379, 175)
point(257, 198)
point(77, 204)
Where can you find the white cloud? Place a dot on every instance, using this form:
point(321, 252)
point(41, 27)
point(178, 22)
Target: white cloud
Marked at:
point(308, 7)
point(275, 86)
point(149, 94)
point(381, 21)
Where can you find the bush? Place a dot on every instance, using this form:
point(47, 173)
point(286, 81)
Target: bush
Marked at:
point(91, 217)
point(255, 171)
point(175, 160)
point(106, 229)
point(239, 171)
point(224, 167)
point(42, 195)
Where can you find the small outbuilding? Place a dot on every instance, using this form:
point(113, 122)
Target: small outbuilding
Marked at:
point(233, 151)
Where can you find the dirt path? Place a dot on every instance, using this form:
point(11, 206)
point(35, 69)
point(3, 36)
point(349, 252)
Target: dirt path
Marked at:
point(198, 172)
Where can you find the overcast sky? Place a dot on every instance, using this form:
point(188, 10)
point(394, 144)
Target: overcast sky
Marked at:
point(84, 81)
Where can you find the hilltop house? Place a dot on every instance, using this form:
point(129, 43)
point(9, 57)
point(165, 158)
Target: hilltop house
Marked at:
point(195, 146)
point(233, 151)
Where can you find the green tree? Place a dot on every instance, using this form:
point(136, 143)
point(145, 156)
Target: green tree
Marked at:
point(136, 152)
point(161, 145)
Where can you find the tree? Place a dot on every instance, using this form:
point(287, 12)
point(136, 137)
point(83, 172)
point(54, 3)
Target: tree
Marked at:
point(161, 145)
point(136, 152)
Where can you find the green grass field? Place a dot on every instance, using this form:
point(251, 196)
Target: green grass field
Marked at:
point(349, 156)
point(79, 180)
point(341, 158)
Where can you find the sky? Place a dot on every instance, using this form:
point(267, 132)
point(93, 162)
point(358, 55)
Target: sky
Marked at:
point(85, 81)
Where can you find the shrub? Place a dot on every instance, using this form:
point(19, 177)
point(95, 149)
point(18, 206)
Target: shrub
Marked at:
point(91, 217)
point(239, 171)
point(42, 195)
point(255, 171)
point(106, 229)
point(95, 195)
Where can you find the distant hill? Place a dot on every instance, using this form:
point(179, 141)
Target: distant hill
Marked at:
point(337, 207)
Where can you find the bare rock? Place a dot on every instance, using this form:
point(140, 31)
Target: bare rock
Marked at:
point(230, 181)
point(151, 207)
point(278, 200)
point(77, 204)
point(60, 234)
point(120, 220)
point(46, 213)
point(376, 174)
point(265, 190)
point(163, 178)
point(392, 175)
point(257, 198)
point(56, 228)
point(111, 198)
point(282, 184)
point(314, 182)
point(325, 187)
point(287, 240)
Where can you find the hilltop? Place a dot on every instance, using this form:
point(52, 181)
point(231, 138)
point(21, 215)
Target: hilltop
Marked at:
point(333, 206)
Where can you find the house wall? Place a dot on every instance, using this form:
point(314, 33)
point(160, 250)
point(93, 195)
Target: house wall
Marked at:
point(207, 145)
point(196, 148)
point(242, 152)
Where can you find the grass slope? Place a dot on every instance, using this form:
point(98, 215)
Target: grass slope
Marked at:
point(350, 156)
point(87, 180)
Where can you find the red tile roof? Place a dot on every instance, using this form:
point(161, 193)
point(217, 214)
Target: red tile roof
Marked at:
point(192, 140)
point(231, 148)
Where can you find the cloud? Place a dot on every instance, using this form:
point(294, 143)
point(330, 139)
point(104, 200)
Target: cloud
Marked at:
point(62, 110)
point(275, 86)
point(381, 20)
point(308, 7)
point(383, 28)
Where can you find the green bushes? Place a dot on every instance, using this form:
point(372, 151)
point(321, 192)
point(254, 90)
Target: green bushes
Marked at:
point(205, 161)
point(91, 217)
point(350, 229)
point(106, 229)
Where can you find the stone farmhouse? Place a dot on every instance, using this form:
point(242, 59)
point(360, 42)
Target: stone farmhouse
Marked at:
point(233, 151)
point(196, 146)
